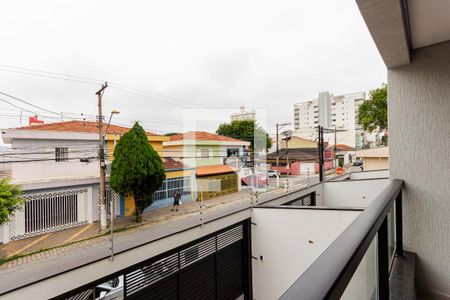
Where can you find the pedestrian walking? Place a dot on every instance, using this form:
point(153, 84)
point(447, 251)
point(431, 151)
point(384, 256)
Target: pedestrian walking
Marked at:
point(176, 200)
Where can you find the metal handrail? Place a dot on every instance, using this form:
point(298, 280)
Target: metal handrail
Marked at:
point(330, 273)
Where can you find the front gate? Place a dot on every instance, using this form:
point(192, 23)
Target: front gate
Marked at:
point(214, 267)
point(51, 211)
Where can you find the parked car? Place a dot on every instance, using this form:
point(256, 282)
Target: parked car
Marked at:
point(272, 173)
point(112, 289)
point(358, 162)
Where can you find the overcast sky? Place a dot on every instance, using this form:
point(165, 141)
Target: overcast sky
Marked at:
point(216, 54)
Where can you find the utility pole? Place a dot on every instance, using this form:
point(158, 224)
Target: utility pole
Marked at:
point(279, 126)
point(102, 189)
point(335, 151)
point(320, 146)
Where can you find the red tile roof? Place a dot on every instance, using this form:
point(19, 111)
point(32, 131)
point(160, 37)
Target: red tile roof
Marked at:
point(344, 147)
point(201, 136)
point(213, 169)
point(170, 163)
point(78, 126)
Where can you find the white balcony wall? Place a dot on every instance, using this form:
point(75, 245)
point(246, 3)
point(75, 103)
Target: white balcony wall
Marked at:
point(370, 174)
point(42, 171)
point(287, 241)
point(419, 130)
point(352, 193)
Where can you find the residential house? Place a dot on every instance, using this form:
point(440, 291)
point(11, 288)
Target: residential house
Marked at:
point(216, 180)
point(214, 158)
point(200, 148)
point(298, 142)
point(374, 158)
point(56, 160)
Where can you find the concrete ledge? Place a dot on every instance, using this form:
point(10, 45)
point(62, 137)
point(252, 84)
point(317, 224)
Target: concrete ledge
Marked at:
point(402, 277)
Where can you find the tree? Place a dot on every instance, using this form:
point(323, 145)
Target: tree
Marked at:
point(136, 169)
point(170, 133)
point(10, 200)
point(372, 114)
point(245, 130)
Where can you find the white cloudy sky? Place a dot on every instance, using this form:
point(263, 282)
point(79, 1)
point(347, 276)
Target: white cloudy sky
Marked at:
point(220, 54)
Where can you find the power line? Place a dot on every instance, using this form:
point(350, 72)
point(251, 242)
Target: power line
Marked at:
point(49, 159)
point(87, 80)
point(31, 104)
point(34, 113)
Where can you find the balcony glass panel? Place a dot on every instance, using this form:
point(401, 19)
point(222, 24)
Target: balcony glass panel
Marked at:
point(391, 233)
point(363, 284)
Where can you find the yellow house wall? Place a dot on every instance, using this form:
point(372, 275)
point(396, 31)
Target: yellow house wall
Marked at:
point(154, 140)
point(375, 163)
point(298, 143)
point(129, 199)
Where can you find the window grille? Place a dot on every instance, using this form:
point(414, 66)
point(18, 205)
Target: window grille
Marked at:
point(204, 153)
point(61, 154)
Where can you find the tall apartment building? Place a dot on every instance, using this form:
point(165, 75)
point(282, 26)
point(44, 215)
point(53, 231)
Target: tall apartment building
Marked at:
point(244, 115)
point(329, 111)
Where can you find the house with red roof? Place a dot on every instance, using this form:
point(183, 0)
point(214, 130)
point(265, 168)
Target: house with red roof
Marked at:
point(200, 148)
point(216, 159)
point(57, 166)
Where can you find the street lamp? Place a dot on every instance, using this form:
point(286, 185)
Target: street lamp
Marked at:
point(113, 112)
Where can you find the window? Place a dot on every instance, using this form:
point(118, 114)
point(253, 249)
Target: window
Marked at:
point(61, 154)
point(232, 151)
point(204, 153)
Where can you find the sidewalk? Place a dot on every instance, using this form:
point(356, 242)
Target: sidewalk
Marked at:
point(56, 242)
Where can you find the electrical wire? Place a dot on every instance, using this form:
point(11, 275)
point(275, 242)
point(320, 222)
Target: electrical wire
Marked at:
point(87, 80)
point(33, 105)
point(12, 104)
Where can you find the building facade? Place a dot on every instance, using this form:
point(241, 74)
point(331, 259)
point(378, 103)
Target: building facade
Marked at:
point(329, 111)
point(199, 148)
point(244, 115)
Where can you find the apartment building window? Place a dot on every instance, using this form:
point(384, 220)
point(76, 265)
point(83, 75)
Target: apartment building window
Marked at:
point(61, 154)
point(204, 153)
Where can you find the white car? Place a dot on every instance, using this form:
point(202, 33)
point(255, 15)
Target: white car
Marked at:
point(112, 289)
point(272, 173)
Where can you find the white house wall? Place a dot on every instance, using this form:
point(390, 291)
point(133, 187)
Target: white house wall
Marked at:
point(47, 170)
point(287, 241)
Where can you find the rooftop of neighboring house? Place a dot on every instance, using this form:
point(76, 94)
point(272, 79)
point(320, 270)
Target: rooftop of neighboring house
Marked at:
point(172, 164)
point(213, 170)
point(204, 136)
point(78, 126)
point(343, 147)
point(373, 152)
point(300, 154)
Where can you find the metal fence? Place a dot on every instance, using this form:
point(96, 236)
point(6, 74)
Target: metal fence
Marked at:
point(306, 200)
point(216, 266)
point(172, 185)
point(48, 212)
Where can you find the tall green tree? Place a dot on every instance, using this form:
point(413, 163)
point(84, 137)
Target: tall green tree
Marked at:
point(372, 114)
point(136, 169)
point(246, 130)
point(10, 200)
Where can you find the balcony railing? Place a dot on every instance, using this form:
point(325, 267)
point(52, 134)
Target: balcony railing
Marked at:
point(330, 274)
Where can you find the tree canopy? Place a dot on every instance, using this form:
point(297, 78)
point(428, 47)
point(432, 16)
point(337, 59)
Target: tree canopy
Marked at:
point(136, 168)
point(372, 114)
point(245, 130)
point(10, 200)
